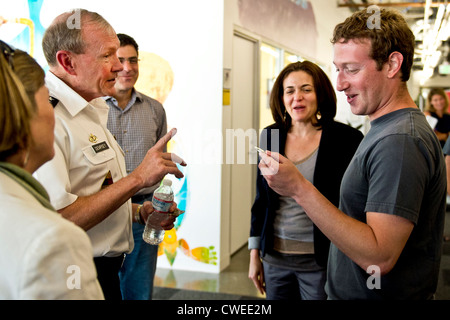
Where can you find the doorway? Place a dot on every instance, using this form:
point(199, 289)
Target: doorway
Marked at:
point(244, 122)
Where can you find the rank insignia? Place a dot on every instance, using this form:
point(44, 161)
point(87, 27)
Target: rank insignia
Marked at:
point(92, 138)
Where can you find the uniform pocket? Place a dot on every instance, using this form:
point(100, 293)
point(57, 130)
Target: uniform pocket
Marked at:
point(99, 157)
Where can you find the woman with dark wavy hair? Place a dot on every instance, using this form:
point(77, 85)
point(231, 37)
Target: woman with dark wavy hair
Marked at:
point(293, 250)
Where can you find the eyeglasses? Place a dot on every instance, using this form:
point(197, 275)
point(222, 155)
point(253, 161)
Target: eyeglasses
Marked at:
point(132, 60)
point(8, 53)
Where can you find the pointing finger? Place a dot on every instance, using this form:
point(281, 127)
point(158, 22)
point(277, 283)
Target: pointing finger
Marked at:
point(161, 143)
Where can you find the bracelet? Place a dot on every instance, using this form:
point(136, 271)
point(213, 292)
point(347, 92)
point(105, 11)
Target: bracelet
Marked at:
point(137, 215)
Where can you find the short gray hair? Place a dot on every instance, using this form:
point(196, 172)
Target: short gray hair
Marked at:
point(62, 35)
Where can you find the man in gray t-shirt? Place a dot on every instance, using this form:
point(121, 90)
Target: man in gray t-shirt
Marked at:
point(396, 170)
point(387, 233)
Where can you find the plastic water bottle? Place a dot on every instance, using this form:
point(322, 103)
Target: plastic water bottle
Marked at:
point(162, 201)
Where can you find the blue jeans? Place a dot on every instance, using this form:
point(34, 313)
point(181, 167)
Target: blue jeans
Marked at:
point(139, 267)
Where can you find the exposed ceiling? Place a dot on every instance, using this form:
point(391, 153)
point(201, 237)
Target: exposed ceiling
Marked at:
point(430, 22)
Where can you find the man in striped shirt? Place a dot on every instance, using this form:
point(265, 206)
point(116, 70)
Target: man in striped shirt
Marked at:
point(137, 122)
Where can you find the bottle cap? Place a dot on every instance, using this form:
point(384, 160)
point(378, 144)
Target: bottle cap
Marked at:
point(167, 182)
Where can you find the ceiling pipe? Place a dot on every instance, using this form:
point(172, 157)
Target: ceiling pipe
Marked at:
point(391, 4)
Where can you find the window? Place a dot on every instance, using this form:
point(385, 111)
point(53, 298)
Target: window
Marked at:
point(273, 60)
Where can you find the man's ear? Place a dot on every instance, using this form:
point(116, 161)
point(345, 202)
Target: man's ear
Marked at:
point(65, 60)
point(394, 63)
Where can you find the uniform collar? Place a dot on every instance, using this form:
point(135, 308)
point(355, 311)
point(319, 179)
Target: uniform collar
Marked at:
point(73, 102)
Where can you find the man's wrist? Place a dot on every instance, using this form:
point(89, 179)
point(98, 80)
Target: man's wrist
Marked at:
point(137, 215)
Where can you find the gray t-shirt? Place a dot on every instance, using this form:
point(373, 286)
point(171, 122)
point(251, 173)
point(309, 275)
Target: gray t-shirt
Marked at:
point(398, 169)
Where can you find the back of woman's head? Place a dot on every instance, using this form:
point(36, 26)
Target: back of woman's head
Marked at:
point(20, 78)
point(325, 94)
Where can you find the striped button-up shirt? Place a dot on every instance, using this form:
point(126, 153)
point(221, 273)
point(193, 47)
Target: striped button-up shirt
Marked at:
point(137, 128)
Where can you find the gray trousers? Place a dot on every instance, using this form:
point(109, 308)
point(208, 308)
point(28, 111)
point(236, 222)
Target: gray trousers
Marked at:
point(287, 284)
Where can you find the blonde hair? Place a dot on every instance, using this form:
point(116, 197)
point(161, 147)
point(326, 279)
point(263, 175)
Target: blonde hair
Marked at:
point(17, 103)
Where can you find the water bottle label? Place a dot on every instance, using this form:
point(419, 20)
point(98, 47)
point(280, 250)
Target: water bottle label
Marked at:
point(160, 205)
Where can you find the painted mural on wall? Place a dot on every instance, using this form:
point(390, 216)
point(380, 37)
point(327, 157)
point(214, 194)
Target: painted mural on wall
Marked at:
point(21, 27)
point(156, 80)
point(282, 20)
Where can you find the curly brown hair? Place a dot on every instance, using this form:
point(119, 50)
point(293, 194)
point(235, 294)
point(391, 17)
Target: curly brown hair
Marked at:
point(391, 34)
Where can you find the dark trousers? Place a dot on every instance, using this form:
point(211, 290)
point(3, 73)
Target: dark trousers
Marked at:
point(108, 276)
